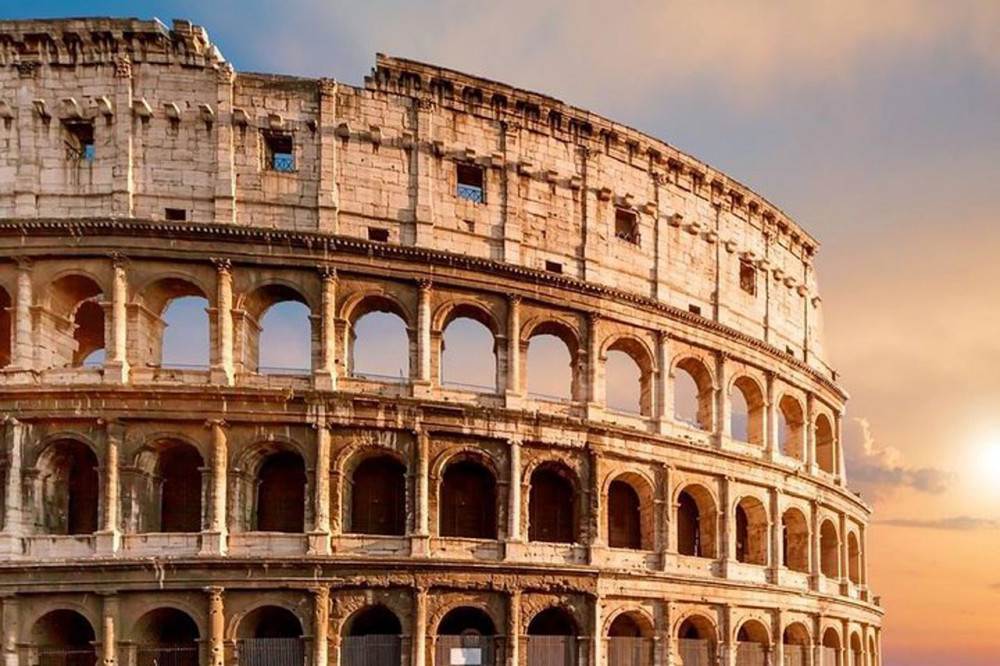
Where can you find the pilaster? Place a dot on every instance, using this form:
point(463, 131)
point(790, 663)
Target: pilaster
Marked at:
point(213, 540)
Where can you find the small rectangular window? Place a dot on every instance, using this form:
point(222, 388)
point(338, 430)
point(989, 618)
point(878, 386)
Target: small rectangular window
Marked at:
point(378, 235)
point(553, 266)
point(627, 225)
point(175, 214)
point(279, 152)
point(694, 309)
point(471, 183)
point(748, 277)
point(80, 141)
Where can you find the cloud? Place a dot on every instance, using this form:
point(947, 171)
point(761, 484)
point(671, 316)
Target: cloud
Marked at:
point(878, 471)
point(956, 523)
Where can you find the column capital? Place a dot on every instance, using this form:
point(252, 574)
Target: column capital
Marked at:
point(222, 265)
point(514, 299)
point(221, 423)
point(118, 259)
point(424, 284)
point(214, 592)
point(328, 273)
point(24, 263)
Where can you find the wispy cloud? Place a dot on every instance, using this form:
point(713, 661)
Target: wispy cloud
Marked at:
point(956, 523)
point(877, 471)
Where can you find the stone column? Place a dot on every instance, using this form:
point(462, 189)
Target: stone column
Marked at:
point(665, 397)
point(727, 540)
point(13, 518)
point(723, 409)
point(668, 536)
point(514, 500)
point(216, 627)
point(225, 166)
point(420, 542)
point(11, 622)
point(595, 540)
point(595, 392)
point(23, 346)
point(325, 374)
point(809, 435)
point(109, 636)
point(771, 437)
point(422, 381)
point(514, 628)
point(321, 626)
point(222, 371)
point(515, 389)
point(109, 537)
point(838, 431)
point(327, 195)
point(777, 533)
point(123, 184)
point(116, 361)
point(420, 627)
point(213, 540)
point(729, 640)
point(864, 563)
point(815, 563)
point(596, 635)
point(844, 555)
point(319, 540)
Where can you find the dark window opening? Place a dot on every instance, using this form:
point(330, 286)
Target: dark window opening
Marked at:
point(175, 214)
point(624, 529)
point(694, 309)
point(180, 498)
point(468, 502)
point(279, 152)
point(80, 141)
point(378, 497)
point(281, 494)
point(748, 278)
point(627, 225)
point(742, 535)
point(550, 508)
point(375, 621)
point(553, 267)
point(378, 235)
point(688, 526)
point(471, 183)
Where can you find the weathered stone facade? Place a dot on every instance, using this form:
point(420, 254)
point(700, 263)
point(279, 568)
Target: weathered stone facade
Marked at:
point(137, 167)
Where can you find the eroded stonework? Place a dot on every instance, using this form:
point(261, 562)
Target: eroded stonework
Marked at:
point(234, 513)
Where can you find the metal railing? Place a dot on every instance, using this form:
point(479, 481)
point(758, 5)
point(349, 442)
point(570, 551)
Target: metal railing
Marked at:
point(695, 652)
point(167, 655)
point(551, 650)
point(750, 654)
point(476, 388)
point(795, 655)
point(374, 377)
point(55, 656)
point(278, 370)
point(471, 193)
point(469, 651)
point(270, 652)
point(630, 651)
point(372, 650)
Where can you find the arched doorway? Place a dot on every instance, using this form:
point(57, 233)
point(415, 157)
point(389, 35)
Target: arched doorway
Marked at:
point(467, 504)
point(629, 641)
point(281, 493)
point(166, 637)
point(468, 636)
point(696, 641)
point(752, 644)
point(552, 638)
point(378, 497)
point(372, 637)
point(270, 636)
point(63, 638)
point(796, 645)
point(552, 505)
point(624, 516)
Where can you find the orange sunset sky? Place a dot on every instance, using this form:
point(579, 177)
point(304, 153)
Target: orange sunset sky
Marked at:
point(876, 125)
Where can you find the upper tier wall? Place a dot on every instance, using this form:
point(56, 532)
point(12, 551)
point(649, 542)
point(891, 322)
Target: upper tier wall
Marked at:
point(175, 128)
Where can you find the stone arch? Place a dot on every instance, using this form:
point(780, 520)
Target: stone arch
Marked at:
point(747, 426)
point(697, 638)
point(238, 626)
point(795, 540)
point(465, 308)
point(826, 445)
point(359, 305)
point(65, 626)
point(691, 374)
point(253, 350)
point(167, 486)
point(75, 326)
point(67, 486)
point(273, 486)
point(554, 620)
point(570, 337)
point(857, 649)
point(791, 427)
point(374, 619)
point(640, 618)
point(375, 494)
point(753, 631)
point(696, 521)
point(166, 634)
point(752, 531)
point(853, 557)
point(829, 549)
point(469, 308)
point(463, 618)
point(269, 621)
point(554, 505)
point(633, 519)
point(467, 494)
point(796, 633)
point(831, 638)
point(153, 345)
point(644, 358)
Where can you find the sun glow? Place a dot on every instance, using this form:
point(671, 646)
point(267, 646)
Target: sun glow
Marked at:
point(986, 462)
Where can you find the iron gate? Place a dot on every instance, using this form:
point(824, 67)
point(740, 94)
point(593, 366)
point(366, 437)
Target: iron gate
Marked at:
point(271, 652)
point(750, 654)
point(167, 655)
point(630, 651)
point(469, 651)
point(552, 650)
point(371, 650)
point(50, 656)
point(695, 652)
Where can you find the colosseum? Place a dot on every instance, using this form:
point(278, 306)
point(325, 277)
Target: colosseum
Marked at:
point(231, 510)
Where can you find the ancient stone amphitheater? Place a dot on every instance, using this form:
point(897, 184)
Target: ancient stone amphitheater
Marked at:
point(228, 512)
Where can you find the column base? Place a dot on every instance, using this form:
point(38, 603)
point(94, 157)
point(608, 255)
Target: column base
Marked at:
point(213, 543)
point(513, 550)
point(513, 400)
point(115, 373)
point(108, 543)
point(594, 411)
point(11, 545)
point(420, 545)
point(222, 376)
point(319, 543)
point(596, 553)
point(421, 388)
point(324, 381)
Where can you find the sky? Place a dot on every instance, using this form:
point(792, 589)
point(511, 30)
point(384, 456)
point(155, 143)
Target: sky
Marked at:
point(876, 125)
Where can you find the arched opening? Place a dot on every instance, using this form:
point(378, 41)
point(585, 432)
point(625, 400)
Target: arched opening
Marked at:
point(278, 341)
point(790, 428)
point(378, 497)
point(624, 516)
point(826, 448)
point(830, 648)
point(795, 541)
point(829, 545)
point(468, 351)
point(372, 637)
point(628, 377)
point(270, 635)
point(550, 368)
point(552, 505)
point(63, 638)
point(379, 341)
point(853, 558)
point(173, 327)
point(74, 331)
point(693, 394)
point(6, 329)
point(468, 501)
point(166, 636)
point(630, 641)
point(552, 638)
point(281, 493)
point(747, 412)
point(180, 489)
point(796, 645)
point(696, 641)
point(468, 633)
point(751, 532)
point(872, 652)
point(68, 489)
point(752, 643)
point(696, 522)
point(857, 651)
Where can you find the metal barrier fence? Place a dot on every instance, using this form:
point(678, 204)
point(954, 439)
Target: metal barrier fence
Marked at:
point(271, 652)
point(625, 651)
point(51, 656)
point(551, 650)
point(750, 654)
point(373, 650)
point(167, 655)
point(829, 656)
point(469, 651)
point(796, 655)
point(695, 652)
